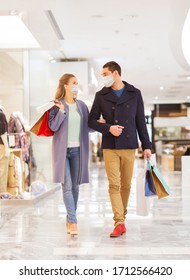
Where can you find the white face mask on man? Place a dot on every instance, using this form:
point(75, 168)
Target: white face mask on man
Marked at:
point(108, 80)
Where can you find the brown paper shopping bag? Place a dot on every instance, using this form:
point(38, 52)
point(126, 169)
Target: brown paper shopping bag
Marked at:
point(41, 128)
point(162, 188)
point(35, 128)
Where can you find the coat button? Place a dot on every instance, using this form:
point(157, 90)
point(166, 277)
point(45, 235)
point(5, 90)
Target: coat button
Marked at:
point(113, 108)
point(127, 106)
point(116, 121)
point(126, 121)
point(127, 135)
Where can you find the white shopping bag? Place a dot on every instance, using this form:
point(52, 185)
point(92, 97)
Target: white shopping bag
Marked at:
point(143, 203)
point(45, 107)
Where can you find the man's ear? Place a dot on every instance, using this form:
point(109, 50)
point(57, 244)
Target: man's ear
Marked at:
point(115, 73)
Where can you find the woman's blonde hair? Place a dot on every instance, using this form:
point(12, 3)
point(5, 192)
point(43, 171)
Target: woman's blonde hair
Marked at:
point(64, 80)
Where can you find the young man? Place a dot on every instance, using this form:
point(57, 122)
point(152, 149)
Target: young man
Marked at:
point(122, 108)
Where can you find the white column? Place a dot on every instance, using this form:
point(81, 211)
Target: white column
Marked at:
point(185, 171)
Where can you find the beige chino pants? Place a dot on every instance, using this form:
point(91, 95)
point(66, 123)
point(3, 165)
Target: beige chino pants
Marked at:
point(119, 166)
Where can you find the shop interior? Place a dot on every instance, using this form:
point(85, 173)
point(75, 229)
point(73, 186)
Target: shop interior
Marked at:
point(29, 75)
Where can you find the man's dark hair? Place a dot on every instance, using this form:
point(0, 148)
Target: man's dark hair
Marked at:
point(112, 66)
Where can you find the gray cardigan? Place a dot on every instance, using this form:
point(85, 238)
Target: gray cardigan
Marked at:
point(58, 122)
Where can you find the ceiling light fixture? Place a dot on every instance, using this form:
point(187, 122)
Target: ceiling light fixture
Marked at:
point(54, 24)
point(13, 12)
point(15, 35)
point(132, 16)
point(50, 57)
point(97, 16)
point(53, 61)
point(186, 38)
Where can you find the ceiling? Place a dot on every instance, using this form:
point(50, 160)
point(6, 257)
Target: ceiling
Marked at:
point(143, 36)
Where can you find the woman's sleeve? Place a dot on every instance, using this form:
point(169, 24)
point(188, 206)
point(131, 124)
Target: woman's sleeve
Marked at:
point(56, 117)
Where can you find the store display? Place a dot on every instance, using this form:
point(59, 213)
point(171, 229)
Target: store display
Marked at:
point(38, 187)
point(15, 173)
point(16, 160)
point(3, 152)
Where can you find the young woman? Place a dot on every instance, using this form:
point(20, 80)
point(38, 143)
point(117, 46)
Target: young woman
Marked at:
point(68, 119)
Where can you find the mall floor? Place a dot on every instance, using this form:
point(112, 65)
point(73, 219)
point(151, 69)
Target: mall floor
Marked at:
point(38, 231)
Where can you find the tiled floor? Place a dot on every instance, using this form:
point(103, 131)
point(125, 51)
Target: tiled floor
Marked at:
point(38, 231)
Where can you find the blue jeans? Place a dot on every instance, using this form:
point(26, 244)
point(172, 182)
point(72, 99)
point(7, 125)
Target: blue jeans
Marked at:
point(70, 187)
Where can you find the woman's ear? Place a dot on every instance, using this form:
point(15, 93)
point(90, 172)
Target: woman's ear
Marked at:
point(65, 86)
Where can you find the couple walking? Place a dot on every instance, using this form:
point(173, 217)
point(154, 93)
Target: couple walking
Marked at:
point(121, 106)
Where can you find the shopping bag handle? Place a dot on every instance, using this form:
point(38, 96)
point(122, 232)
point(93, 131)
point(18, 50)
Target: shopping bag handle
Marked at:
point(150, 164)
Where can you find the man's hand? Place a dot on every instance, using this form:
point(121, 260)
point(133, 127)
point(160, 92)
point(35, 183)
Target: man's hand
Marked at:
point(116, 130)
point(147, 153)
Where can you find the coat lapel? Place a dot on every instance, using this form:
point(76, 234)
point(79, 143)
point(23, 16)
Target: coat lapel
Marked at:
point(110, 96)
point(127, 94)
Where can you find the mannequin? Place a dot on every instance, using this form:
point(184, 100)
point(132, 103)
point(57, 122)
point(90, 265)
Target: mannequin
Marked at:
point(16, 125)
point(3, 155)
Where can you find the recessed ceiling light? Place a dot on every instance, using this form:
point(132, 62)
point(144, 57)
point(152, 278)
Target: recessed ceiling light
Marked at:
point(161, 87)
point(53, 61)
point(132, 16)
point(106, 49)
point(97, 16)
point(170, 95)
point(177, 87)
point(13, 12)
point(50, 57)
point(174, 91)
point(183, 76)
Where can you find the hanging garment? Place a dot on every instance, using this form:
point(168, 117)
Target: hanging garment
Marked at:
point(16, 126)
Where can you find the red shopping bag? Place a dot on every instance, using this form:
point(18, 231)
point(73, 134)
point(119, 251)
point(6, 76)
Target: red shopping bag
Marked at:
point(41, 128)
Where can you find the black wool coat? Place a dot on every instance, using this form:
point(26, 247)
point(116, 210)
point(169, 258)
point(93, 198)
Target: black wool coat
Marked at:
point(128, 111)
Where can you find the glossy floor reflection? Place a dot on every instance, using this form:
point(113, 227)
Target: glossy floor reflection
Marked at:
point(38, 231)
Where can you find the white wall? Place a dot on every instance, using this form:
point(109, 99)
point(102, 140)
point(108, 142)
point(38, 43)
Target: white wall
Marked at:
point(11, 82)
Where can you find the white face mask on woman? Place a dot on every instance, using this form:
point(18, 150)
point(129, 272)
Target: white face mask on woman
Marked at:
point(108, 80)
point(74, 89)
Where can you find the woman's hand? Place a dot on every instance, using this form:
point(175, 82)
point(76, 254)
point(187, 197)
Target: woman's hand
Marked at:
point(101, 120)
point(59, 104)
